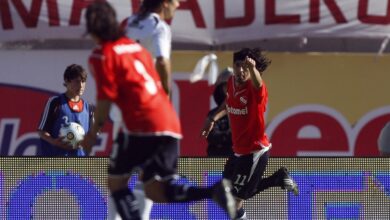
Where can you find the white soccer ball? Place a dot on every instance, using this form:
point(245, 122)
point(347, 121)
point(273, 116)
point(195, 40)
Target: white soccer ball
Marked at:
point(72, 133)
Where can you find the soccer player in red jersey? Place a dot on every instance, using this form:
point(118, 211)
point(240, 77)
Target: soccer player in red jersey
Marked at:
point(125, 75)
point(148, 27)
point(245, 105)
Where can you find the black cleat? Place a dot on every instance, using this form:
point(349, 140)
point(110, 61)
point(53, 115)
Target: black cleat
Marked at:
point(288, 183)
point(222, 195)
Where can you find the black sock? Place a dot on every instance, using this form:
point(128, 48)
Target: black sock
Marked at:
point(126, 204)
point(276, 179)
point(185, 193)
point(240, 213)
point(195, 194)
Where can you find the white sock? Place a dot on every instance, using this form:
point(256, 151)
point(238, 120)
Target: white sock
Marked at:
point(145, 204)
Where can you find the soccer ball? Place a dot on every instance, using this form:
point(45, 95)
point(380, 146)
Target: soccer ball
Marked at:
point(72, 133)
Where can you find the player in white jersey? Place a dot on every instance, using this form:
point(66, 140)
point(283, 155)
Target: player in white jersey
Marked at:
point(149, 28)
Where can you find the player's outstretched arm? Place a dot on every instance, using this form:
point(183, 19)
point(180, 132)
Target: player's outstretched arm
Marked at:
point(255, 75)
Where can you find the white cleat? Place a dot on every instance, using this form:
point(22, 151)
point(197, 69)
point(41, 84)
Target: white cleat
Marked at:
point(291, 186)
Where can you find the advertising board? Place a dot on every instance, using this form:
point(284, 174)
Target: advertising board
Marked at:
point(75, 188)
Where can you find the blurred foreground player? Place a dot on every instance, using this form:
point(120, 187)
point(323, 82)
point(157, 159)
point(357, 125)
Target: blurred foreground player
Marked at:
point(149, 28)
point(245, 105)
point(125, 75)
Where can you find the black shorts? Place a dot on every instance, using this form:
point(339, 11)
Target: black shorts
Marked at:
point(245, 172)
point(156, 156)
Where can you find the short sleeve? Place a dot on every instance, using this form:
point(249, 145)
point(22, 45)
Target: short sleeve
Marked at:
point(48, 115)
point(102, 67)
point(162, 42)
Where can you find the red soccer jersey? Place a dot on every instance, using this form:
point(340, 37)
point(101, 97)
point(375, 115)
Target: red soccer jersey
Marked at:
point(246, 106)
point(124, 73)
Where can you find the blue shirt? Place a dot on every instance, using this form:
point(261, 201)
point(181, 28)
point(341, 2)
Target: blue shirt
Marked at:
point(57, 113)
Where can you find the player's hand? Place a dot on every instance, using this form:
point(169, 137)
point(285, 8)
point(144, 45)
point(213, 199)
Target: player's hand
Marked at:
point(207, 127)
point(88, 141)
point(249, 63)
point(60, 142)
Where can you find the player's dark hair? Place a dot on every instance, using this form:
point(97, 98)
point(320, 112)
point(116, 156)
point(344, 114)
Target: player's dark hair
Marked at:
point(147, 7)
point(73, 71)
point(102, 22)
point(262, 62)
point(219, 93)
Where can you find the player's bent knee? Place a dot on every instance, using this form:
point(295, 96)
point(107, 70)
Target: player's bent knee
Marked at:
point(155, 191)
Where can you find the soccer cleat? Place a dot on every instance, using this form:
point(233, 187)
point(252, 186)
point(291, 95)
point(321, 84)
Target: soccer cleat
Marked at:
point(223, 196)
point(288, 183)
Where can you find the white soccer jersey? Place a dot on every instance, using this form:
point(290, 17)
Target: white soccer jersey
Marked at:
point(152, 32)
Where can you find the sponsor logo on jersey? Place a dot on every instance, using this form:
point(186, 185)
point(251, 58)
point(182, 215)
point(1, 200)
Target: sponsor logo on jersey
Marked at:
point(243, 100)
point(237, 111)
point(127, 48)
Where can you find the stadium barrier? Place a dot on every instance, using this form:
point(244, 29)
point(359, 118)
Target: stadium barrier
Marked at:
point(75, 188)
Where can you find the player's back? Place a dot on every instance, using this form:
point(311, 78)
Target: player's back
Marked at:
point(129, 79)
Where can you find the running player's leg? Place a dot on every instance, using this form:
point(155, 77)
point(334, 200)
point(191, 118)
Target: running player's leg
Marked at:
point(271, 181)
point(125, 202)
point(245, 172)
point(124, 158)
point(159, 175)
point(145, 204)
point(288, 182)
point(280, 178)
point(112, 213)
